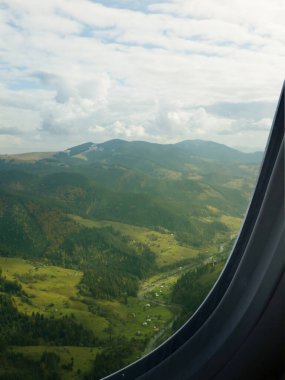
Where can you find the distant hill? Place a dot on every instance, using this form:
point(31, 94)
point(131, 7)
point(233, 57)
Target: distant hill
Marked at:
point(32, 157)
point(213, 150)
point(120, 149)
point(180, 151)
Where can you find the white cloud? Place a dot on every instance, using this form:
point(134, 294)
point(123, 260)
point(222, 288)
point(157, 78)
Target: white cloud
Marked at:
point(78, 68)
point(15, 121)
point(263, 124)
point(175, 122)
point(74, 104)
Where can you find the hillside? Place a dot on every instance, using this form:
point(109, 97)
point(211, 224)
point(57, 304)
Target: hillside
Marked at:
point(102, 238)
point(137, 182)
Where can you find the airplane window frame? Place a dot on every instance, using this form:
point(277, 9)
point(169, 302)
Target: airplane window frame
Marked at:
point(156, 364)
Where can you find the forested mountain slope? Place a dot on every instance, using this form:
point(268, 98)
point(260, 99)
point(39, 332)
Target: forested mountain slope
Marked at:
point(101, 239)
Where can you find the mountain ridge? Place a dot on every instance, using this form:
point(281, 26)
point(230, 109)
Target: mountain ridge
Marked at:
point(196, 147)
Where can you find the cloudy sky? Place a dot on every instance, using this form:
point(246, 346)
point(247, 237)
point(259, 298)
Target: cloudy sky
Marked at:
point(73, 71)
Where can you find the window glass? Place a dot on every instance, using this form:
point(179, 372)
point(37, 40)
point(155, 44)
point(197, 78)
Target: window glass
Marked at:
point(131, 136)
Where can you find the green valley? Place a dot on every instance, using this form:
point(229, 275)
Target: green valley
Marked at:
point(109, 246)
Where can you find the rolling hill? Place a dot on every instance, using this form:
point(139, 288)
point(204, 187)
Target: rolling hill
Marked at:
point(130, 221)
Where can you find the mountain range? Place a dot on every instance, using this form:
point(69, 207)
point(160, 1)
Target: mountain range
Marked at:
point(199, 148)
point(94, 236)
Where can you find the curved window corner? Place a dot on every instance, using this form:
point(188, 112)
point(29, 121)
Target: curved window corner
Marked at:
point(245, 309)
